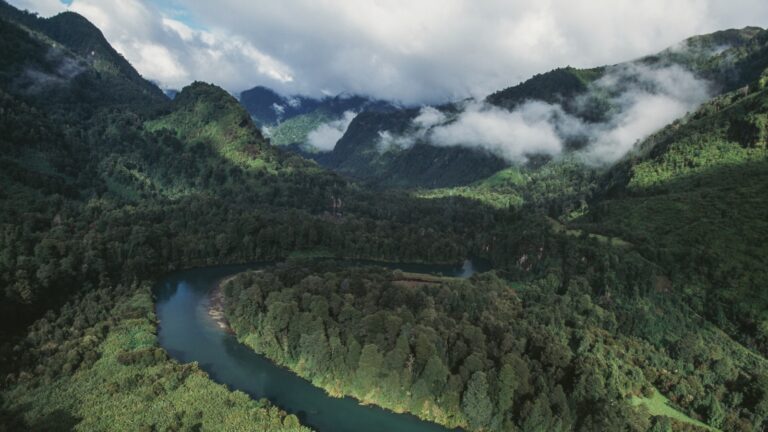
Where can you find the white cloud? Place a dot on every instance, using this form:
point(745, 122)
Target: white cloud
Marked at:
point(171, 53)
point(642, 100)
point(657, 97)
point(325, 137)
point(511, 135)
point(428, 117)
point(422, 51)
point(436, 50)
point(45, 8)
point(389, 141)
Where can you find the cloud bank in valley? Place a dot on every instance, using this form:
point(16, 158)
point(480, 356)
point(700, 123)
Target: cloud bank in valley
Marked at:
point(656, 98)
point(410, 51)
point(642, 100)
point(531, 129)
point(325, 136)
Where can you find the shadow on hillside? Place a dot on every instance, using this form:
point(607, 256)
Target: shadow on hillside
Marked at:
point(55, 421)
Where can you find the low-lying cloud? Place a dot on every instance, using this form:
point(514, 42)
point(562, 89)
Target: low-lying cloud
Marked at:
point(653, 99)
point(641, 100)
point(531, 129)
point(325, 136)
point(64, 69)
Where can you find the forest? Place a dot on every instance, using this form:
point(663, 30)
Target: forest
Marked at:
point(623, 298)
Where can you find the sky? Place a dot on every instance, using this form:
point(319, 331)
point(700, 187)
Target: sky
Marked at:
point(410, 51)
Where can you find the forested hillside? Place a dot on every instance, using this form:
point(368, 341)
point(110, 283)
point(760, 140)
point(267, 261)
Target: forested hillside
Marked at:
point(623, 297)
point(289, 121)
point(106, 184)
point(725, 61)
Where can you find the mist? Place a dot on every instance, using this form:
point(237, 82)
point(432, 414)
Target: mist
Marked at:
point(324, 137)
point(641, 100)
point(531, 129)
point(61, 69)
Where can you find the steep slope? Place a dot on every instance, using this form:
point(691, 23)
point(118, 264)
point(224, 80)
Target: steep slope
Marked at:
point(68, 62)
point(206, 114)
point(693, 196)
point(727, 60)
point(288, 121)
point(360, 154)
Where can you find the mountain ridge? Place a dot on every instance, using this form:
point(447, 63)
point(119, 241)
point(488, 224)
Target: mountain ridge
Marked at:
point(565, 87)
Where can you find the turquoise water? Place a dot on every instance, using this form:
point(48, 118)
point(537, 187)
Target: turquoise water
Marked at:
point(188, 333)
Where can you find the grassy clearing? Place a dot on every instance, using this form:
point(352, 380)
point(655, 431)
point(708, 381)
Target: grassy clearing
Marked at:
point(658, 405)
point(560, 228)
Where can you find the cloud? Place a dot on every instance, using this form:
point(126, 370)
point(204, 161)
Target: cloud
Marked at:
point(170, 52)
point(325, 136)
point(428, 117)
point(528, 130)
point(389, 141)
point(426, 51)
point(656, 98)
point(43, 7)
point(431, 51)
point(640, 101)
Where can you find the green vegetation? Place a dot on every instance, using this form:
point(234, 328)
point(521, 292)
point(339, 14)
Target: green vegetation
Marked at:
point(204, 114)
point(294, 131)
point(694, 204)
point(659, 405)
point(554, 86)
point(110, 374)
point(98, 193)
point(559, 187)
point(360, 155)
point(486, 354)
point(629, 298)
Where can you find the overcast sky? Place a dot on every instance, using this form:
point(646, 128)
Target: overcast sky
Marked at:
point(413, 51)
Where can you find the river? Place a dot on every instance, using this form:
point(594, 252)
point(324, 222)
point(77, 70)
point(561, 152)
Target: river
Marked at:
point(189, 334)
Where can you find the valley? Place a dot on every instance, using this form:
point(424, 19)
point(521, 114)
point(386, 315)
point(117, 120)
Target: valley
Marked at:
point(582, 251)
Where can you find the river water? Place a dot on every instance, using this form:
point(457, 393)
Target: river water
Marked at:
point(189, 334)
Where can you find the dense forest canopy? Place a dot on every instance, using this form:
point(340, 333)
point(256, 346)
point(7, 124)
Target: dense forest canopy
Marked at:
point(629, 297)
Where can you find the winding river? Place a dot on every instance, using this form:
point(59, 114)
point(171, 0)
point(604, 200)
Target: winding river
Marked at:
point(189, 334)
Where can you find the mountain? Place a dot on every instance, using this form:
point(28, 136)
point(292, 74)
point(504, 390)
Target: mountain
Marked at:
point(289, 120)
point(693, 197)
point(359, 155)
point(266, 106)
point(105, 184)
point(725, 60)
point(627, 297)
point(66, 59)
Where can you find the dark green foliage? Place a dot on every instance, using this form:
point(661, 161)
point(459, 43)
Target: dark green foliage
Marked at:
point(476, 403)
point(486, 355)
point(96, 365)
point(641, 283)
point(557, 86)
point(359, 154)
point(693, 199)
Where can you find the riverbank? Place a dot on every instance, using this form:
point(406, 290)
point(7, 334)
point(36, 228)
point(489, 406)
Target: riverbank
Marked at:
point(216, 305)
point(430, 417)
point(183, 304)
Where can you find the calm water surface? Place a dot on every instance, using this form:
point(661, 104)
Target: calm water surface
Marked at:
point(188, 333)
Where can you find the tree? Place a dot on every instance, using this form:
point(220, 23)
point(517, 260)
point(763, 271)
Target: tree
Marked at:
point(507, 387)
point(476, 403)
point(435, 374)
point(539, 418)
point(369, 368)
